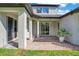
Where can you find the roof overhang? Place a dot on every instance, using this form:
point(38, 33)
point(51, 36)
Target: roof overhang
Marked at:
point(28, 7)
point(54, 15)
point(45, 5)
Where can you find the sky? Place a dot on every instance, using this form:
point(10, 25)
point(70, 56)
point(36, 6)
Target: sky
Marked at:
point(67, 7)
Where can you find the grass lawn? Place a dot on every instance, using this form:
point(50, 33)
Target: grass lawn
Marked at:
point(19, 52)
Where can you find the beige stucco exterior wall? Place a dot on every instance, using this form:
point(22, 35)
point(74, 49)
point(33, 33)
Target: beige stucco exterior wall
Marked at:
point(28, 18)
point(23, 28)
point(53, 28)
point(71, 24)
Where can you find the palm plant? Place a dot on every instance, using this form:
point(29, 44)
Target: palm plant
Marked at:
point(62, 33)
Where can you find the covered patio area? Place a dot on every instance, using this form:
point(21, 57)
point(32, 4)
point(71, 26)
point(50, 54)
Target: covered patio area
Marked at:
point(13, 27)
point(50, 43)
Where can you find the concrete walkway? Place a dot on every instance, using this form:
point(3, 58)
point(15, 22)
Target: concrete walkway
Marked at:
point(50, 43)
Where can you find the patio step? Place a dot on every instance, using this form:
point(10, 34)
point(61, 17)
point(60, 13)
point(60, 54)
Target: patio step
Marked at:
point(46, 39)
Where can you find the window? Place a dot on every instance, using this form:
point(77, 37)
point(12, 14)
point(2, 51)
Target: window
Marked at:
point(39, 10)
point(45, 10)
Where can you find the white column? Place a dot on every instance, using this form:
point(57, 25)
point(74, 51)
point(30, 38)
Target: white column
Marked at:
point(37, 29)
point(22, 30)
point(30, 30)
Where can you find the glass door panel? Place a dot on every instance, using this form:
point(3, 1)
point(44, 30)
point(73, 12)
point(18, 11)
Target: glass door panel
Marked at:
point(44, 28)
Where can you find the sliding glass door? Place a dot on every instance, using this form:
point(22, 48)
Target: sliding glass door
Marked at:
point(44, 28)
point(12, 28)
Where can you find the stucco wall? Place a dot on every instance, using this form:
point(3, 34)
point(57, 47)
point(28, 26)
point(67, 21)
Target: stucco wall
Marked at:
point(53, 28)
point(3, 31)
point(50, 9)
point(34, 28)
point(22, 29)
point(71, 24)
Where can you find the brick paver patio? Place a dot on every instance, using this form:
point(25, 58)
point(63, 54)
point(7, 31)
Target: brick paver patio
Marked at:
point(50, 43)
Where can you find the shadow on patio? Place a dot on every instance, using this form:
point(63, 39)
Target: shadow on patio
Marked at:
point(13, 43)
